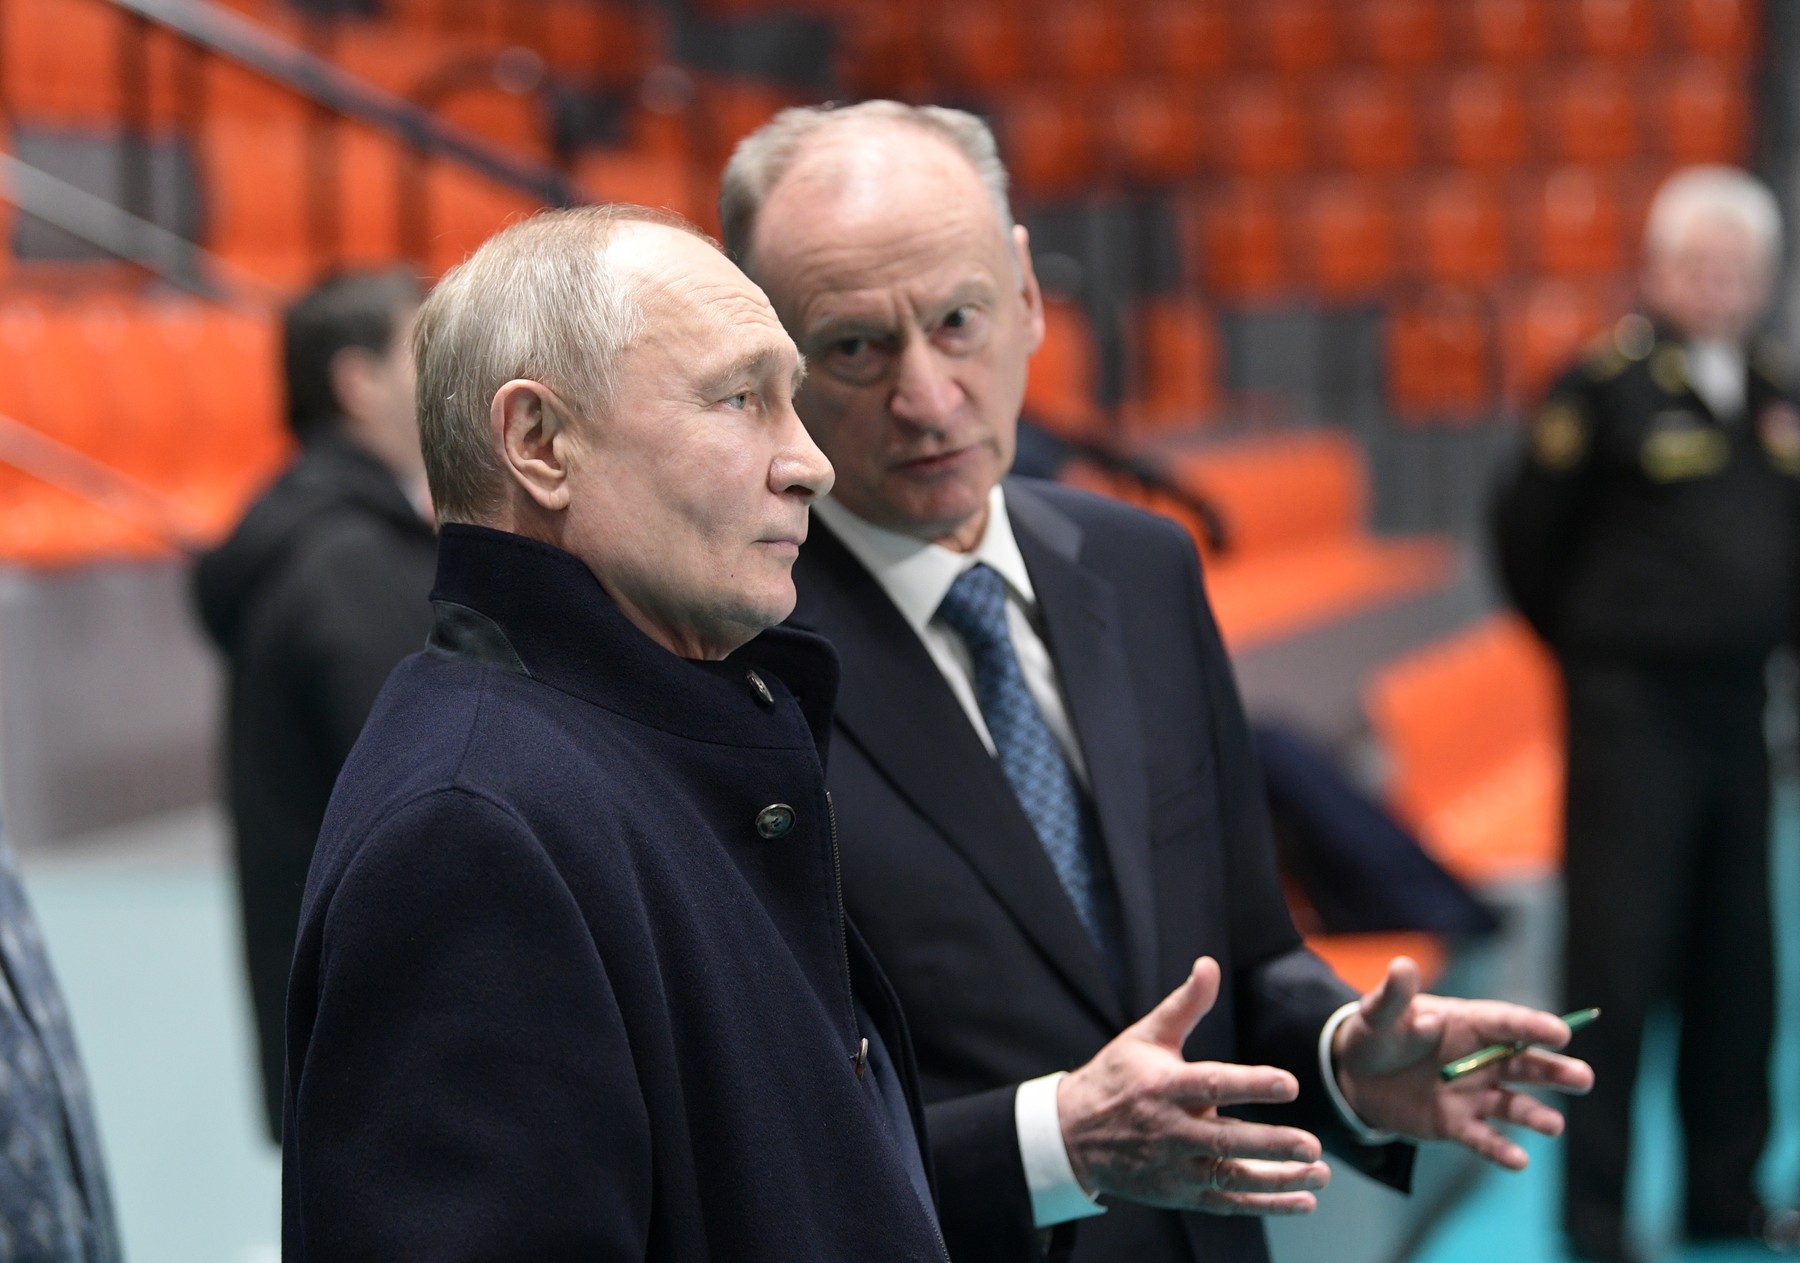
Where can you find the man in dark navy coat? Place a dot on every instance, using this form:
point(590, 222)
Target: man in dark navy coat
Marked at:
point(574, 980)
point(1043, 779)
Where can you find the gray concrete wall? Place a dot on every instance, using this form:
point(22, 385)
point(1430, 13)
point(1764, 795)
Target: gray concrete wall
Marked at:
point(109, 700)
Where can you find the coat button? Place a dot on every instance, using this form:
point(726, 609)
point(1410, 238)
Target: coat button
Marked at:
point(775, 821)
point(761, 690)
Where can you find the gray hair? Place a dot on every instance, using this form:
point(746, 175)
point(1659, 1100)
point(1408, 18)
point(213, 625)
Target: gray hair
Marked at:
point(763, 157)
point(1695, 193)
point(535, 301)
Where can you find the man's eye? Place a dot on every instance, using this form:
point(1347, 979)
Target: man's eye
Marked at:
point(958, 318)
point(849, 348)
point(739, 401)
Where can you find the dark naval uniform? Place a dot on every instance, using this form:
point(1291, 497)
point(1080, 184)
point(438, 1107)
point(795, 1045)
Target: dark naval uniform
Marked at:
point(1656, 547)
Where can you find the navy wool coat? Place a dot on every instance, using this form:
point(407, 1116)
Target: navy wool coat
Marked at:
point(566, 987)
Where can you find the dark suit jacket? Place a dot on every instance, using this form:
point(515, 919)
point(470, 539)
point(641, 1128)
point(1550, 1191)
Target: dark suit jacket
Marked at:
point(561, 990)
point(955, 894)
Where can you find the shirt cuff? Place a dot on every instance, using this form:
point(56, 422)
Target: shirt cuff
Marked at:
point(1362, 1131)
point(1056, 1195)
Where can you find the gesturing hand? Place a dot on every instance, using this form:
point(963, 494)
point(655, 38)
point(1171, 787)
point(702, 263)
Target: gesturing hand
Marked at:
point(1387, 1056)
point(1143, 1124)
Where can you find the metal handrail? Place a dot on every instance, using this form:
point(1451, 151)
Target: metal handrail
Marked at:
point(30, 450)
point(120, 233)
point(221, 31)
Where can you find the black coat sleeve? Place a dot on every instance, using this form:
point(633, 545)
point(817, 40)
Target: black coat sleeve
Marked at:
point(461, 1084)
point(1284, 994)
point(1537, 513)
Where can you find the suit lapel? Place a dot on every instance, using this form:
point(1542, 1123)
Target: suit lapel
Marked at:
point(894, 704)
point(1081, 622)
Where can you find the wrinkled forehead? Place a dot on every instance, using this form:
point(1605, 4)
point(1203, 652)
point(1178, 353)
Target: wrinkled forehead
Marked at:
point(862, 198)
point(697, 305)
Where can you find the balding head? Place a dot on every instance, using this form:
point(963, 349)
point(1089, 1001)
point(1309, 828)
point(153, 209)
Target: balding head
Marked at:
point(882, 237)
point(1712, 246)
point(606, 381)
point(835, 134)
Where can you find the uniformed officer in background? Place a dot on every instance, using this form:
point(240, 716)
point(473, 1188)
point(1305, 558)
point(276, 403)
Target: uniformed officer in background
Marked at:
point(1652, 537)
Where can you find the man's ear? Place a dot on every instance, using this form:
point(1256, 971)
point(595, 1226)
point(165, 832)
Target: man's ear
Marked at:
point(1028, 287)
point(531, 432)
point(349, 371)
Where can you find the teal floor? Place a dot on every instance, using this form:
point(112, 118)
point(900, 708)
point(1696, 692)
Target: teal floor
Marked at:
point(147, 951)
point(1512, 1219)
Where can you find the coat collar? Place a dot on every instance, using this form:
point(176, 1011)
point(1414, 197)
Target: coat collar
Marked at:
point(896, 706)
point(536, 610)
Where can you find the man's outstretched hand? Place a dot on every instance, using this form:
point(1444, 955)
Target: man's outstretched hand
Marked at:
point(1387, 1056)
point(1142, 1123)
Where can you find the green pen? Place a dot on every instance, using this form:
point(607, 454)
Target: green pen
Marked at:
point(1500, 1052)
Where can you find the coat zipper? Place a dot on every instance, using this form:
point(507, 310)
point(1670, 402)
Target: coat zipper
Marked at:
point(861, 1055)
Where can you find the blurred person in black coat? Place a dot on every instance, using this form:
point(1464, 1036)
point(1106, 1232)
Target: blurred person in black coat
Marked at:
point(1651, 535)
point(314, 598)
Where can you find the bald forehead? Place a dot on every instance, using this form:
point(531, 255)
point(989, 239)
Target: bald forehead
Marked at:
point(871, 170)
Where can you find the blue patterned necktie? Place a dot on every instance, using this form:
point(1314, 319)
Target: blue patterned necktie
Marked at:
point(1029, 756)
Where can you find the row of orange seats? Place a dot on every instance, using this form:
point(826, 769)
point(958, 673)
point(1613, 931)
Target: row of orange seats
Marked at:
point(1456, 354)
point(1471, 728)
point(1160, 132)
point(180, 397)
point(996, 43)
point(1348, 239)
point(71, 62)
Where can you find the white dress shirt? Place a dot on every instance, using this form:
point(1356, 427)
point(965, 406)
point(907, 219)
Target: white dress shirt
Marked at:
point(1716, 371)
point(917, 576)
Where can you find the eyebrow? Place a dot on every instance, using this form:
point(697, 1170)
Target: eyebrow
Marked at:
point(755, 364)
point(833, 327)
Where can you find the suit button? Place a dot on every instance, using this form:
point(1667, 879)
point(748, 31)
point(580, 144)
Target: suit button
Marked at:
point(761, 690)
point(775, 821)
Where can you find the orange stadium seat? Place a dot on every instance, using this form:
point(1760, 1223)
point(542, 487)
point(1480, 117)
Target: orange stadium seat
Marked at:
point(1396, 34)
point(1082, 43)
point(464, 210)
point(1544, 326)
point(667, 181)
point(1439, 353)
point(1234, 244)
point(1479, 119)
point(1048, 141)
point(1458, 227)
point(1366, 122)
point(1347, 235)
point(370, 163)
point(1151, 129)
point(1621, 29)
point(1362, 959)
point(1717, 28)
point(1291, 37)
point(1175, 370)
point(1570, 221)
point(1260, 128)
point(1513, 32)
point(1294, 504)
point(978, 47)
point(1590, 114)
point(1472, 729)
point(1060, 391)
point(254, 179)
point(1187, 39)
point(1700, 112)
point(60, 62)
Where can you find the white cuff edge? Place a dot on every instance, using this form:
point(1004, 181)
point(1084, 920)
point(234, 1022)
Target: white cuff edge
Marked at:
point(1362, 1131)
point(1056, 1195)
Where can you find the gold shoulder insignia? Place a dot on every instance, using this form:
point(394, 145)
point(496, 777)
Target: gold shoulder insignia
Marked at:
point(1634, 336)
point(1668, 368)
point(1558, 436)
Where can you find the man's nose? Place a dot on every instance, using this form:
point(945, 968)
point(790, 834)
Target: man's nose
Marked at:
point(800, 468)
point(925, 393)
